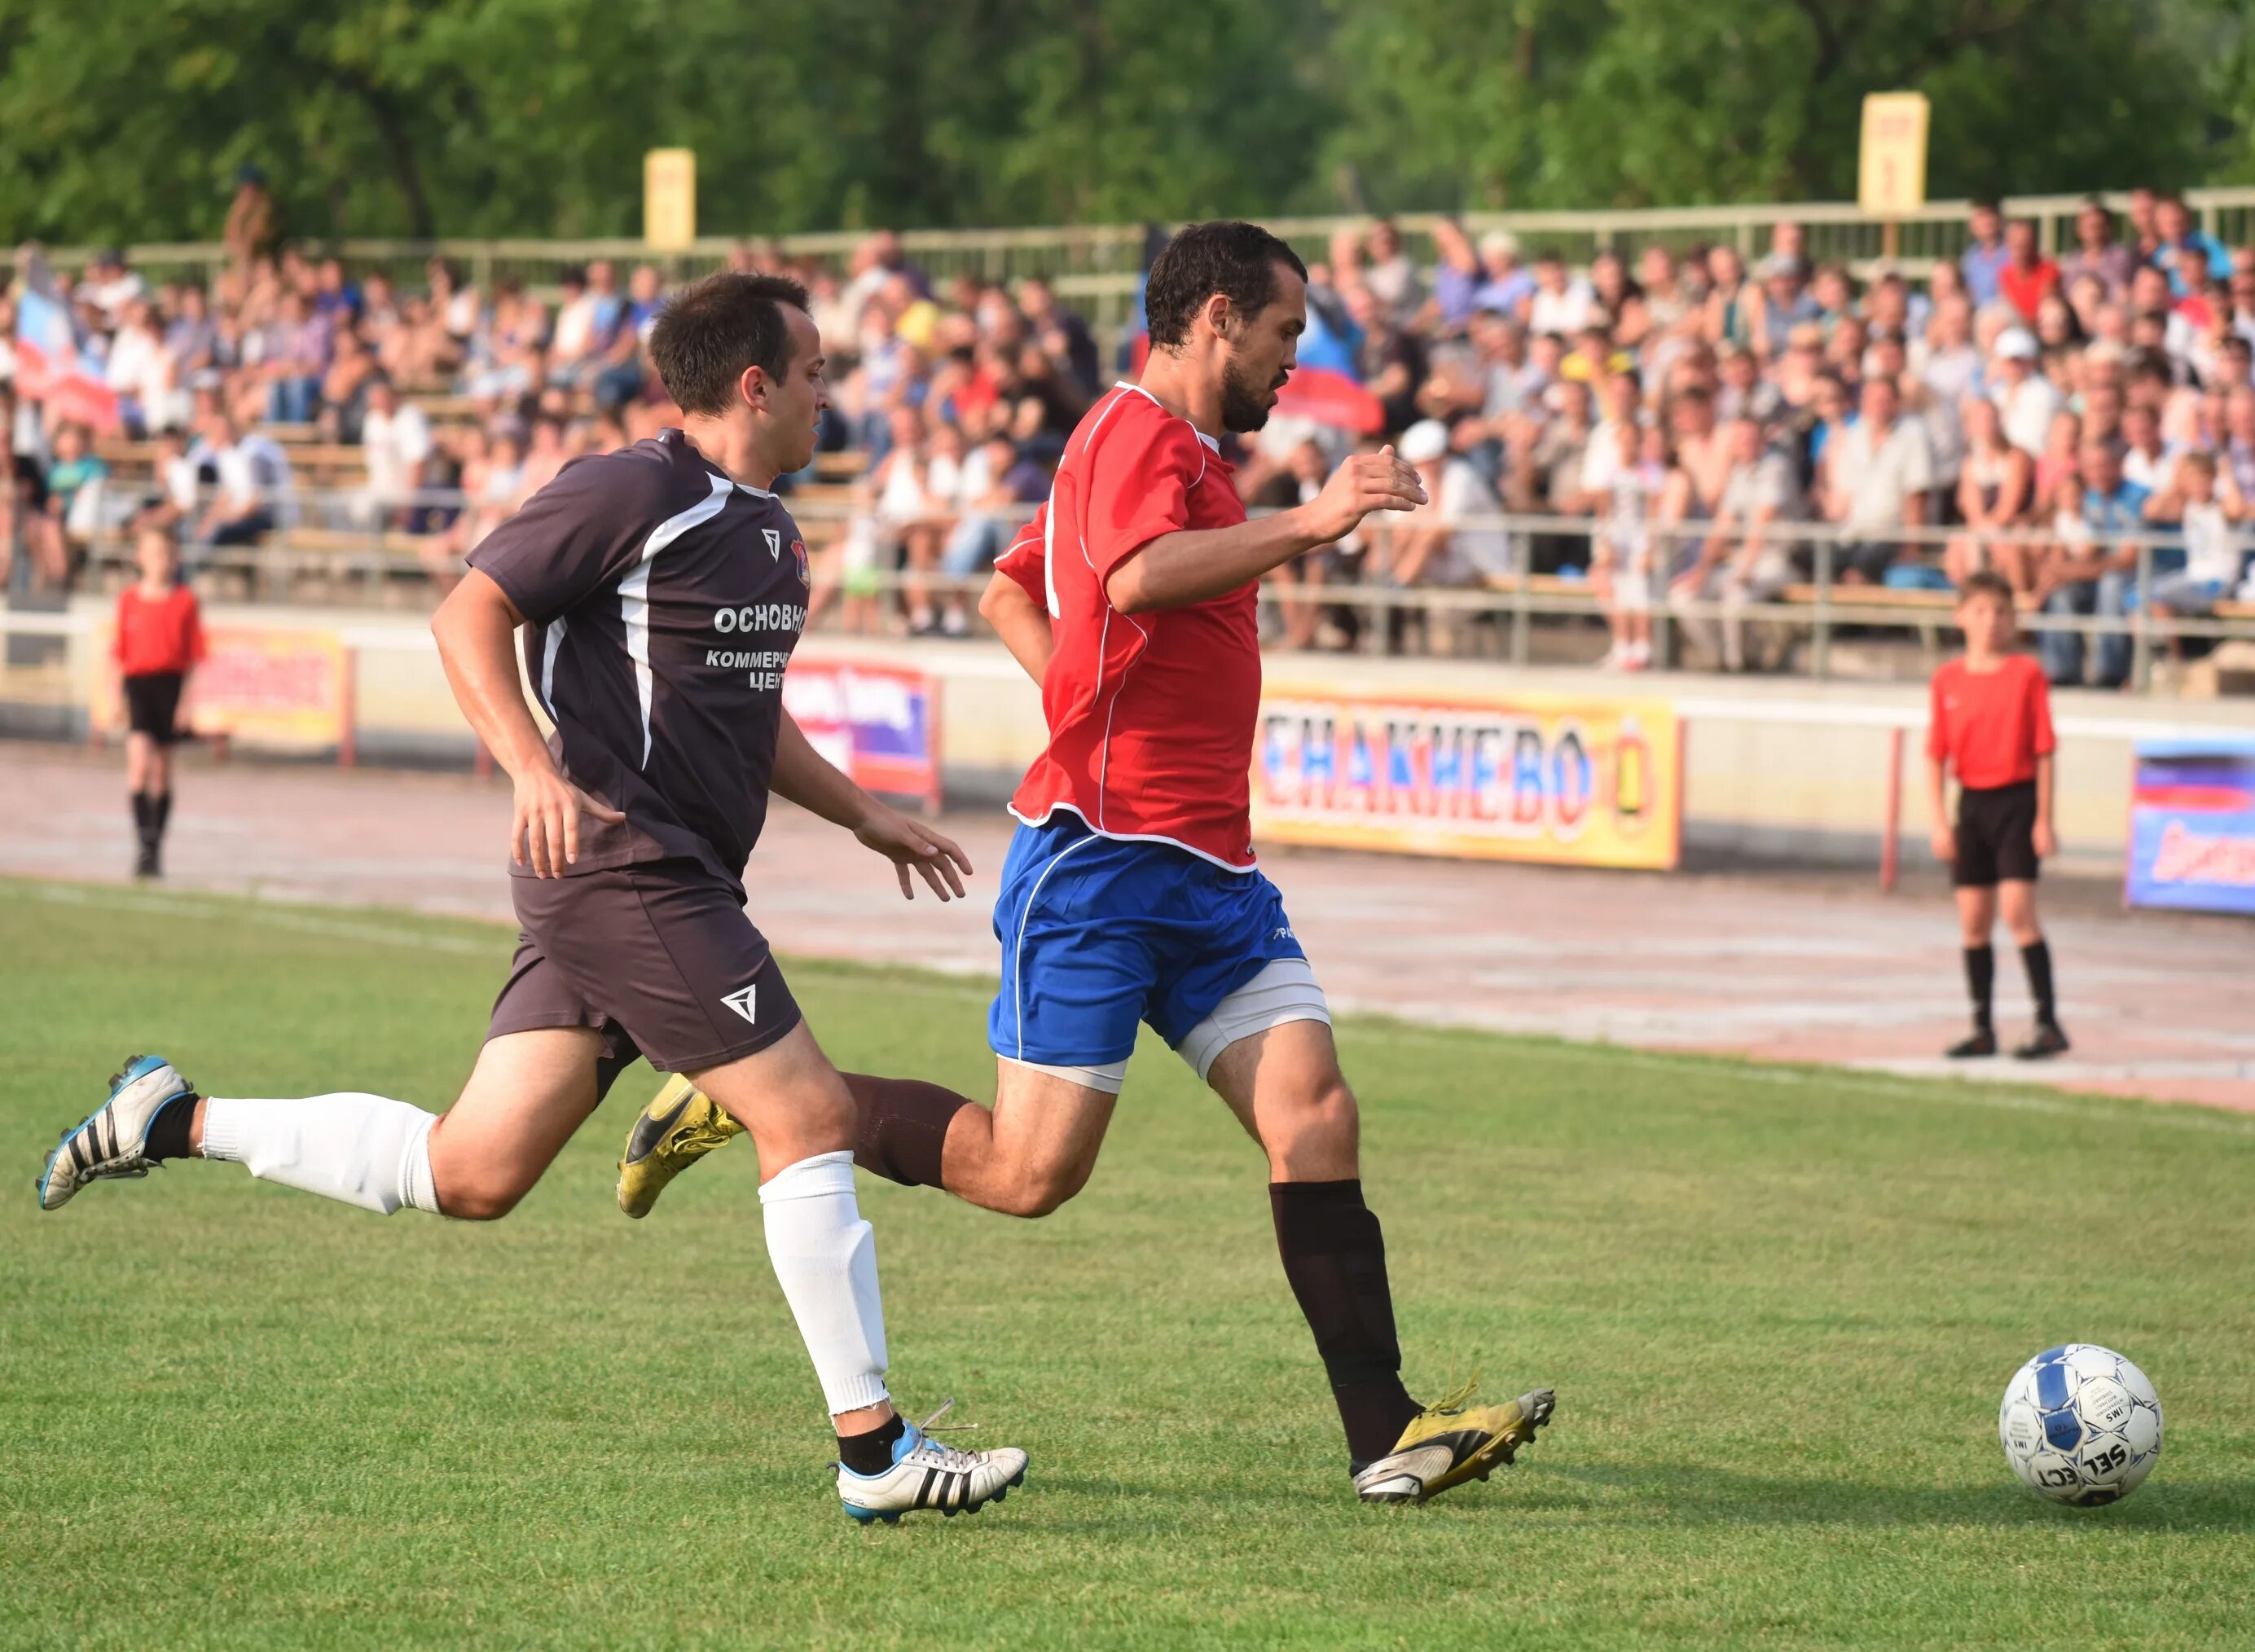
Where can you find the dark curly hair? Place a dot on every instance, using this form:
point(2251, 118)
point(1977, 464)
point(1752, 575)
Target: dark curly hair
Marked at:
point(1235, 259)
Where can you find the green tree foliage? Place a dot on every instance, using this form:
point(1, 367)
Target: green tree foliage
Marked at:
point(125, 119)
point(1641, 102)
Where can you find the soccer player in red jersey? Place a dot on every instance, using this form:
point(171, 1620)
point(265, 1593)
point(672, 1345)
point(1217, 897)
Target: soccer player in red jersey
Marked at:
point(1131, 893)
point(1992, 723)
point(160, 643)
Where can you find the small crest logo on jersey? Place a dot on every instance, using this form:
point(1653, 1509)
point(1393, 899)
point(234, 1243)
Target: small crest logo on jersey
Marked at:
point(743, 1002)
point(775, 542)
point(799, 554)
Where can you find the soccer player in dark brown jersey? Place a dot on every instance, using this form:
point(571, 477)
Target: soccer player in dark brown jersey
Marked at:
point(660, 591)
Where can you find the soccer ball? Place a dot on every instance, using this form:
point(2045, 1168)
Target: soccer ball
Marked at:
point(2080, 1424)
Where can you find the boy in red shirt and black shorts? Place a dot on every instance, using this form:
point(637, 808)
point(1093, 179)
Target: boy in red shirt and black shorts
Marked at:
point(159, 641)
point(1992, 723)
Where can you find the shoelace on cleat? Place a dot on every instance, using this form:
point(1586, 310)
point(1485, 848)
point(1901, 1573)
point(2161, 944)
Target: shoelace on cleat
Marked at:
point(938, 1453)
point(1456, 1398)
point(707, 1136)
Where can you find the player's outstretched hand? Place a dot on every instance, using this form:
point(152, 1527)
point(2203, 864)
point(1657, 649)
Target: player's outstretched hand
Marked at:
point(1365, 483)
point(543, 828)
point(911, 846)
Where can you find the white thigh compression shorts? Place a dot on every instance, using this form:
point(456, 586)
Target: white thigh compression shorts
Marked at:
point(1285, 990)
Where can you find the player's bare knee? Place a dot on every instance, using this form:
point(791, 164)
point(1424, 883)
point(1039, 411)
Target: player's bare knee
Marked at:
point(821, 1116)
point(1038, 1188)
point(1325, 1119)
point(471, 1188)
point(476, 1199)
point(481, 1207)
point(1331, 1110)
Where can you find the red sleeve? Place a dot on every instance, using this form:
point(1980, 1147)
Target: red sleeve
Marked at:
point(193, 632)
point(1937, 734)
point(1027, 561)
point(2039, 712)
point(1139, 485)
point(117, 626)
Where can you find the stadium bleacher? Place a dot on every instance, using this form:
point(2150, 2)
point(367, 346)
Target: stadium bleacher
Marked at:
point(1509, 372)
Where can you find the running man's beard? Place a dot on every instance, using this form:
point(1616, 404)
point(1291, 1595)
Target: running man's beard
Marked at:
point(1244, 402)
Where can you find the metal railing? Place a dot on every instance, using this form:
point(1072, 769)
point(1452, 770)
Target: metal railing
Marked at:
point(1814, 609)
point(1095, 266)
point(1511, 601)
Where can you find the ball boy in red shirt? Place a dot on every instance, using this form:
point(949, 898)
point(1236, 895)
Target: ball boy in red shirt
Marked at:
point(159, 642)
point(1992, 723)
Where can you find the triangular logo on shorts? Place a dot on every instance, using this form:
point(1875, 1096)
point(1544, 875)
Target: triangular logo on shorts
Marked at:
point(741, 1001)
point(775, 542)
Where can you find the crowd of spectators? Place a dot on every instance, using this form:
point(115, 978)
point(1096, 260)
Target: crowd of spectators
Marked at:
point(2040, 415)
point(1677, 418)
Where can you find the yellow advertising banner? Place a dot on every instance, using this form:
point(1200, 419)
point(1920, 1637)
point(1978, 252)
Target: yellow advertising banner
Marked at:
point(1552, 778)
point(1891, 166)
point(261, 687)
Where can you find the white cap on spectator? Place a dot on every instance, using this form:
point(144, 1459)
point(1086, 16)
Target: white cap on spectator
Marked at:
point(2017, 344)
point(1499, 243)
point(1423, 442)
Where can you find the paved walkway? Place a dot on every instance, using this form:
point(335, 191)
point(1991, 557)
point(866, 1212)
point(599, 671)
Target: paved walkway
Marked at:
point(1784, 968)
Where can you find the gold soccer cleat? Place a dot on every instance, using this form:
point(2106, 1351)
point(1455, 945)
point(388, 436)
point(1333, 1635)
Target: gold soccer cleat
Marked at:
point(1452, 1442)
point(681, 1125)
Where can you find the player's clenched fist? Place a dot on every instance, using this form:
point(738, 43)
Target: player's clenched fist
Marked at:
point(1365, 483)
point(544, 830)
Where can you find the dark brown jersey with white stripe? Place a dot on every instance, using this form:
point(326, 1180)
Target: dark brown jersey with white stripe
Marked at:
point(662, 603)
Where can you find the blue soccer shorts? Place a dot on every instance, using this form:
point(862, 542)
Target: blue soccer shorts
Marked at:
point(1100, 933)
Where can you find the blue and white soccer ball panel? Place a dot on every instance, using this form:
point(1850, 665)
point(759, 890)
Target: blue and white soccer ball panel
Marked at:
point(2080, 1425)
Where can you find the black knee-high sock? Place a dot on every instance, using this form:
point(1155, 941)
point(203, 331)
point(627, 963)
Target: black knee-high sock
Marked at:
point(2036, 960)
point(1335, 1258)
point(1981, 982)
point(900, 1126)
point(143, 812)
point(160, 815)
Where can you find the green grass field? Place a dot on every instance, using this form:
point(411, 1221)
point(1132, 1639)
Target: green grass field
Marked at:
point(1779, 1308)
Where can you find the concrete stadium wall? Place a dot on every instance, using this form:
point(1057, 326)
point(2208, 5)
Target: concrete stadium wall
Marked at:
point(1777, 769)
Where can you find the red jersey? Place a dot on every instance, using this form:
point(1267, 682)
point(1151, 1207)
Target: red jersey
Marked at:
point(157, 634)
point(1992, 726)
point(1151, 716)
point(2026, 290)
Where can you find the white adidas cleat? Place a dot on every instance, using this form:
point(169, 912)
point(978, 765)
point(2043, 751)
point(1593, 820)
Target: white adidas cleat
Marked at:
point(926, 1474)
point(109, 1141)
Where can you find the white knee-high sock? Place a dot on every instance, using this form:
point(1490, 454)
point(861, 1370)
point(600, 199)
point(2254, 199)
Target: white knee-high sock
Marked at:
point(364, 1149)
point(824, 1257)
